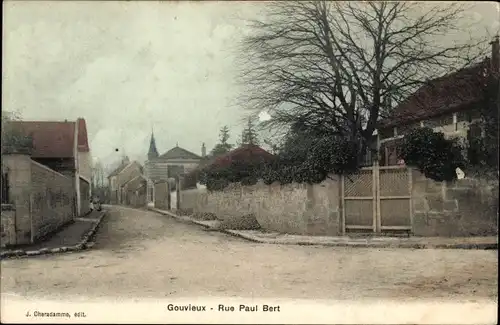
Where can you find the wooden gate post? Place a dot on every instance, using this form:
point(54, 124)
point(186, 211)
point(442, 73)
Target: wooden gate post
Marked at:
point(410, 192)
point(376, 170)
point(375, 196)
point(342, 205)
point(167, 184)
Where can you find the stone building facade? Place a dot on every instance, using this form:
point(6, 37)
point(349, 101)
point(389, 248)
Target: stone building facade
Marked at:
point(168, 166)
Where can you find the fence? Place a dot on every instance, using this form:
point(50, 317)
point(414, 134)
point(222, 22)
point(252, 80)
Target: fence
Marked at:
point(377, 199)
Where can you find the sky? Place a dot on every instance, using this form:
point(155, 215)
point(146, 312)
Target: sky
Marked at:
point(127, 68)
point(130, 67)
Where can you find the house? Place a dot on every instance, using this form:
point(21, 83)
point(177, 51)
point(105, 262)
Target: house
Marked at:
point(135, 191)
point(450, 104)
point(168, 166)
point(63, 147)
point(45, 178)
point(127, 171)
point(246, 153)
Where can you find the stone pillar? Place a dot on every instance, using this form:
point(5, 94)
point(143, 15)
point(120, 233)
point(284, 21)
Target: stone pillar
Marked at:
point(178, 192)
point(18, 166)
point(169, 203)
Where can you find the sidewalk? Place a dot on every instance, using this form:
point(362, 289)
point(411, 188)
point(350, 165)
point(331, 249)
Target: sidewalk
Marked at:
point(72, 237)
point(490, 242)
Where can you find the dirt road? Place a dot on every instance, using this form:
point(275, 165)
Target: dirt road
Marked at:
point(144, 254)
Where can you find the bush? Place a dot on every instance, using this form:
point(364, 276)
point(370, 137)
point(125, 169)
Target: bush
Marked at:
point(434, 155)
point(218, 178)
point(204, 216)
point(311, 162)
point(246, 222)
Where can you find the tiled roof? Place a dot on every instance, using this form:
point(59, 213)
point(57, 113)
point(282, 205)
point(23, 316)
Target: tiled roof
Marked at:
point(50, 139)
point(178, 153)
point(245, 153)
point(450, 93)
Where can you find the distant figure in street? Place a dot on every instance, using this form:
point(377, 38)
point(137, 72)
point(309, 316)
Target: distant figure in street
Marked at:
point(95, 203)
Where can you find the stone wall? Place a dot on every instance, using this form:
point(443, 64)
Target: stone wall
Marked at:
point(8, 225)
point(291, 208)
point(43, 199)
point(19, 169)
point(52, 200)
point(467, 207)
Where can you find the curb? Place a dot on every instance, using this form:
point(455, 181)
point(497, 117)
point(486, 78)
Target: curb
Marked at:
point(173, 215)
point(407, 245)
point(482, 246)
point(82, 245)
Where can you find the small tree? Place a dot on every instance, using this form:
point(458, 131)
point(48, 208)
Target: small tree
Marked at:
point(434, 155)
point(249, 134)
point(223, 146)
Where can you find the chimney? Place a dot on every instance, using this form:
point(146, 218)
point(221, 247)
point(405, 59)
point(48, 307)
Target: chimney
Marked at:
point(495, 55)
point(203, 150)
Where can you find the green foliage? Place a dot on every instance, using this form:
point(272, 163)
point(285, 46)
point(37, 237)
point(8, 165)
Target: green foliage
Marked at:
point(13, 140)
point(310, 160)
point(216, 179)
point(434, 155)
point(477, 152)
point(305, 157)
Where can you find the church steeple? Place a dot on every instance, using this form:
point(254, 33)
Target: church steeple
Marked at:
point(152, 153)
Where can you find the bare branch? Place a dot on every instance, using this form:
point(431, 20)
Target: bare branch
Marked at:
point(338, 66)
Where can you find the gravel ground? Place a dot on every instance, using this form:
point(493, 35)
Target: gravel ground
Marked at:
point(141, 254)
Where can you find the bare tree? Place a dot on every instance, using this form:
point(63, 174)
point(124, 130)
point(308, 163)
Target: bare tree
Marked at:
point(98, 175)
point(337, 67)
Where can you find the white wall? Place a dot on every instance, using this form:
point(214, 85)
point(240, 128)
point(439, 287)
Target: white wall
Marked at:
point(85, 165)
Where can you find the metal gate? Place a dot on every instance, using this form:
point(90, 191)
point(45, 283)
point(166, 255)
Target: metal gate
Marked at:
point(377, 199)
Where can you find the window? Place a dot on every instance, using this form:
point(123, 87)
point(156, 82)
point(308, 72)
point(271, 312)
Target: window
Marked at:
point(175, 170)
point(151, 193)
point(439, 121)
point(406, 129)
point(386, 133)
point(390, 154)
point(475, 131)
